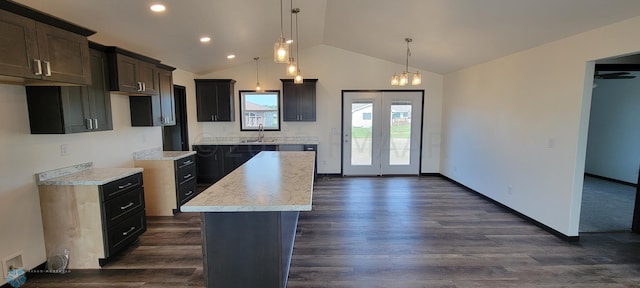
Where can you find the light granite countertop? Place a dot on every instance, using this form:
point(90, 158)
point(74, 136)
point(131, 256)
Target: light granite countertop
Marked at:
point(92, 176)
point(163, 155)
point(250, 141)
point(270, 181)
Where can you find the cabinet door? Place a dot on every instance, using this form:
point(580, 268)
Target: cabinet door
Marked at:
point(57, 110)
point(214, 100)
point(307, 102)
point(18, 44)
point(167, 100)
point(206, 101)
point(99, 96)
point(290, 99)
point(147, 74)
point(208, 163)
point(127, 74)
point(224, 99)
point(145, 110)
point(77, 116)
point(299, 100)
point(64, 55)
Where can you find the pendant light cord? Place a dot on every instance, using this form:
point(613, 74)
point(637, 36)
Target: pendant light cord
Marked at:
point(281, 23)
point(297, 40)
point(408, 53)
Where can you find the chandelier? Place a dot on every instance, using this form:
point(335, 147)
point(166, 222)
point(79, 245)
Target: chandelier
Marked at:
point(403, 78)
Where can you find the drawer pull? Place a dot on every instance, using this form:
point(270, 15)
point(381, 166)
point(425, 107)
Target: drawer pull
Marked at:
point(188, 193)
point(129, 231)
point(125, 185)
point(187, 162)
point(126, 206)
point(187, 176)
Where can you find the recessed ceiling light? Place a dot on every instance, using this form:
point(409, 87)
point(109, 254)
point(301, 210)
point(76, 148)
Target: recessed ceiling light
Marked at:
point(158, 8)
point(231, 56)
point(205, 39)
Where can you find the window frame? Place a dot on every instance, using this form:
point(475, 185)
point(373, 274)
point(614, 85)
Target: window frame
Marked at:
point(241, 103)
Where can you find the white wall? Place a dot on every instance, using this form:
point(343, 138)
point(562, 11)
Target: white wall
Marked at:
point(22, 155)
point(515, 128)
point(336, 70)
point(612, 147)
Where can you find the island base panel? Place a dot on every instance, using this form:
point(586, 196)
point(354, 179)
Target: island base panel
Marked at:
point(248, 249)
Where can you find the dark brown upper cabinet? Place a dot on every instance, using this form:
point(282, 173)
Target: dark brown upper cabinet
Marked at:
point(156, 110)
point(131, 73)
point(214, 100)
point(72, 109)
point(36, 46)
point(299, 100)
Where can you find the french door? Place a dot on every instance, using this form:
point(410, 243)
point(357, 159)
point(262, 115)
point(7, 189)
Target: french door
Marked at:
point(381, 132)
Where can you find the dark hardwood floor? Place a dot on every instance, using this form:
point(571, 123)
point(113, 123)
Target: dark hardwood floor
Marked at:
point(388, 232)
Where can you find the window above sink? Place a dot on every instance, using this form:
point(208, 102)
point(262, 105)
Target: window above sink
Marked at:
point(260, 111)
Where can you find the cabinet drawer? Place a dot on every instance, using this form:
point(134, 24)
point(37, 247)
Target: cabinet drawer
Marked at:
point(117, 187)
point(186, 191)
point(185, 174)
point(119, 207)
point(125, 232)
point(186, 161)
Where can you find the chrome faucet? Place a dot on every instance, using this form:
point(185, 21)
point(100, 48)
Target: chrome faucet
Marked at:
point(260, 132)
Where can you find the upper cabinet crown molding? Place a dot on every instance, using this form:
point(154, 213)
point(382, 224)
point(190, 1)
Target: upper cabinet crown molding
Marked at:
point(30, 13)
point(40, 47)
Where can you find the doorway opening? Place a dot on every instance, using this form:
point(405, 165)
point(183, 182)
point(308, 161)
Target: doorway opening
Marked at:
point(382, 132)
point(610, 195)
point(176, 137)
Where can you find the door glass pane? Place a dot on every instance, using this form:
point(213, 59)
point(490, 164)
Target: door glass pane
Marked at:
point(400, 133)
point(361, 128)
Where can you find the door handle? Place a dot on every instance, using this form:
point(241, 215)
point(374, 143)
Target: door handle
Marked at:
point(47, 66)
point(37, 67)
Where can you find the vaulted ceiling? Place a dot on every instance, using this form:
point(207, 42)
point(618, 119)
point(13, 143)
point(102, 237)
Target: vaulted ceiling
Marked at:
point(447, 34)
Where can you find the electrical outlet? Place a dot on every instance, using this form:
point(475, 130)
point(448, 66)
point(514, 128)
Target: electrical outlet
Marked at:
point(12, 262)
point(64, 149)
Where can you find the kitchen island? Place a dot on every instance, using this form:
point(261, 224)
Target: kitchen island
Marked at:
point(249, 219)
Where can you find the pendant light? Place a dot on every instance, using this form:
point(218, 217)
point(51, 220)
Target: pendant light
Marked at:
point(258, 88)
point(291, 66)
point(298, 79)
point(281, 48)
point(403, 78)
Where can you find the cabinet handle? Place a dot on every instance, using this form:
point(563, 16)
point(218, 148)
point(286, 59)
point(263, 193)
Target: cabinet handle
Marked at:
point(129, 231)
point(139, 86)
point(212, 118)
point(187, 162)
point(187, 176)
point(188, 193)
point(95, 123)
point(126, 206)
point(125, 185)
point(216, 117)
point(144, 86)
point(37, 67)
point(89, 124)
point(47, 66)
